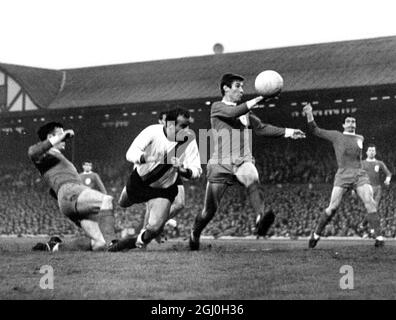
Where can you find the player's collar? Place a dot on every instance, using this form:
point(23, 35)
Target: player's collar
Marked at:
point(371, 160)
point(87, 172)
point(349, 133)
point(228, 102)
point(55, 150)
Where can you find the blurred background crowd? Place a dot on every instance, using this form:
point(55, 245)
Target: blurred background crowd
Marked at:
point(296, 177)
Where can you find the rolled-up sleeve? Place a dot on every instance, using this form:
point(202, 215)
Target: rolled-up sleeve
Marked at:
point(138, 146)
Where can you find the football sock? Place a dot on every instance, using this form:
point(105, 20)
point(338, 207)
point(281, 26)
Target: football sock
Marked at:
point(256, 198)
point(106, 222)
point(200, 223)
point(323, 221)
point(78, 244)
point(374, 223)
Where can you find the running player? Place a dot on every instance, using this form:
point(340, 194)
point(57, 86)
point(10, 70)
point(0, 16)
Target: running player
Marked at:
point(350, 174)
point(89, 209)
point(91, 179)
point(160, 154)
point(232, 161)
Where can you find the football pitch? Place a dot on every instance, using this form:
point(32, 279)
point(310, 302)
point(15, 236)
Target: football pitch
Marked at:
point(224, 269)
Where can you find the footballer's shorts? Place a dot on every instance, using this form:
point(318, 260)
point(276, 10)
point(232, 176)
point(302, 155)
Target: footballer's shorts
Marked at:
point(351, 178)
point(377, 193)
point(224, 172)
point(139, 192)
point(179, 181)
point(78, 202)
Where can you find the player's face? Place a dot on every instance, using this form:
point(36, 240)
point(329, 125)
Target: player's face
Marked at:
point(235, 93)
point(371, 152)
point(87, 167)
point(60, 145)
point(162, 120)
point(350, 124)
point(174, 128)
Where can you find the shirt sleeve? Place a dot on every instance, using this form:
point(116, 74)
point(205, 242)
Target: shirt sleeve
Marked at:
point(192, 160)
point(36, 151)
point(265, 129)
point(100, 184)
point(330, 135)
point(386, 170)
point(136, 150)
point(220, 109)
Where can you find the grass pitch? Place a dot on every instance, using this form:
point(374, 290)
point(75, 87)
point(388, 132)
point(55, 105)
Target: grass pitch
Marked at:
point(223, 269)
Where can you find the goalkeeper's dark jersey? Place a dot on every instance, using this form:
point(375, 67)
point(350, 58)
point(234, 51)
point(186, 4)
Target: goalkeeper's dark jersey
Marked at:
point(55, 168)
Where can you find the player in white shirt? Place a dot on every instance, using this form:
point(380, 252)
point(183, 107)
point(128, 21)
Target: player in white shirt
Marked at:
point(160, 153)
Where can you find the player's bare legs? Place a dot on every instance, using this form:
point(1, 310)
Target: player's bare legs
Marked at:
point(92, 230)
point(365, 192)
point(335, 201)
point(158, 215)
point(213, 195)
point(179, 202)
point(247, 174)
point(177, 206)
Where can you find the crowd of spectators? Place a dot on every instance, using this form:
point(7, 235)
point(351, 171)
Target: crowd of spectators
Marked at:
point(296, 180)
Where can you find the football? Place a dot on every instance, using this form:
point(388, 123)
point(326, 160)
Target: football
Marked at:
point(268, 83)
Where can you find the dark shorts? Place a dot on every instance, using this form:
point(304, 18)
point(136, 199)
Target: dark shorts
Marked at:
point(224, 172)
point(351, 178)
point(138, 192)
point(78, 202)
point(179, 181)
point(377, 192)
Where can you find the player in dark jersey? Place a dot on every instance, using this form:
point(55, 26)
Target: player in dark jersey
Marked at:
point(89, 209)
point(350, 174)
point(374, 168)
point(232, 160)
point(91, 179)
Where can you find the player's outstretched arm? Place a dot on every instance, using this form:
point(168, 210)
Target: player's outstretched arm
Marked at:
point(313, 127)
point(265, 129)
point(220, 109)
point(36, 151)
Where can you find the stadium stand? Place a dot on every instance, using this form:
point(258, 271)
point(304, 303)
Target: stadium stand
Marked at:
point(107, 106)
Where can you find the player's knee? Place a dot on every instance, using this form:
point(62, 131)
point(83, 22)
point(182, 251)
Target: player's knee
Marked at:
point(330, 211)
point(98, 244)
point(156, 227)
point(107, 203)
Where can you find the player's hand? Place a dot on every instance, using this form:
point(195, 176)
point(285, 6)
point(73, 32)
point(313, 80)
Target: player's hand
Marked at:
point(151, 158)
point(253, 104)
point(67, 134)
point(176, 163)
point(307, 109)
point(353, 194)
point(298, 134)
point(387, 182)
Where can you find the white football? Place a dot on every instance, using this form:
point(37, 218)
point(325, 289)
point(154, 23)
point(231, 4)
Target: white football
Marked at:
point(268, 83)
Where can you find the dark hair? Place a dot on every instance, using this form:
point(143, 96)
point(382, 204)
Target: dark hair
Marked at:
point(173, 114)
point(48, 128)
point(161, 115)
point(227, 80)
point(371, 145)
point(87, 162)
point(348, 116)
